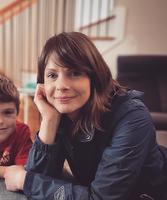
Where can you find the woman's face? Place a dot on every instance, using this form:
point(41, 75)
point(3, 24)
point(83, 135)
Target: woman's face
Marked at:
point(66, 89)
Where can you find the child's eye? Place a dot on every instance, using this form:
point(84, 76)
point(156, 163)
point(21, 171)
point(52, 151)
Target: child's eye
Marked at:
point(9, 112)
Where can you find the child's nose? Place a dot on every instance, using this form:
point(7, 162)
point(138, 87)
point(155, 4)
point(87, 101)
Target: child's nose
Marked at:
point(1, 120)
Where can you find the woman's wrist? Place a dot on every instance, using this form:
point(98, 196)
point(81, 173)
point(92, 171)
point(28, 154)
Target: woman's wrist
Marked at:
point(48, 130)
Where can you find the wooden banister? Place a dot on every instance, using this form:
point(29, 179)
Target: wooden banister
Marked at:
point(14, 8)
point(97, 23)
point(102, 38)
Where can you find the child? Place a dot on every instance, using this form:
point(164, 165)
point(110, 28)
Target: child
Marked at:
point(15, 141)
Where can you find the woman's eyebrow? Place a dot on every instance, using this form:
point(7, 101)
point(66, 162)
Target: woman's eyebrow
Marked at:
point(53, 68)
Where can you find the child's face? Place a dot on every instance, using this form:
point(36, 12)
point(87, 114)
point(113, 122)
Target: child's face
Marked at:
point(8, 115)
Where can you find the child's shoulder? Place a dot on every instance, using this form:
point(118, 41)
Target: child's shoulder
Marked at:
point(21, 124)
point(22, 128)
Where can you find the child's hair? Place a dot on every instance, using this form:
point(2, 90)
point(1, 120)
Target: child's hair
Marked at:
point(8, 91)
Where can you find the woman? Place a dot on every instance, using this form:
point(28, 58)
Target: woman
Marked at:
point(103, 131)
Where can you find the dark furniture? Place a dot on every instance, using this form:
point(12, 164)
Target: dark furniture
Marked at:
point(147, 73)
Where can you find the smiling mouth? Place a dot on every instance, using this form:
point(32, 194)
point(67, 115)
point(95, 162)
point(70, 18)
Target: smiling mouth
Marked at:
point(3, 129)
point(65, 99)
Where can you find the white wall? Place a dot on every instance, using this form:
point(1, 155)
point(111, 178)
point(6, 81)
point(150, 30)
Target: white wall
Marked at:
point(146, 30)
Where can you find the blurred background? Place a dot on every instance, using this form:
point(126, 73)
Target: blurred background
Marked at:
point(117, 27)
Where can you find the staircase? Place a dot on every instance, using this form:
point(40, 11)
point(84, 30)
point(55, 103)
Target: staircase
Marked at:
point(14, 8)
point(26, 24)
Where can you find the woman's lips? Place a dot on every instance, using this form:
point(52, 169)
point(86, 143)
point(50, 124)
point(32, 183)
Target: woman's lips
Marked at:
point(64, 99)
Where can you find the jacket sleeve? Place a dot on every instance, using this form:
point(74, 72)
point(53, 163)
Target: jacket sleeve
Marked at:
point(46, 159)
point(117, 171)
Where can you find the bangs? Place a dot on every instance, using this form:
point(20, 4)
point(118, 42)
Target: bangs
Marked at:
point(70, 50)
point(67, 50)
point(64, 60)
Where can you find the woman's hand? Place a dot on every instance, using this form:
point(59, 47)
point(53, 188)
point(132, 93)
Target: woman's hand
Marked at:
point(14, 177)
point(50, 116)
point(46, 110)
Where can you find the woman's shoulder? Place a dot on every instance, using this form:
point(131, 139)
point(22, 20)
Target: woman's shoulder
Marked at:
point(127, 104)
point(130, 119)
point(129, 101)
point(129, 96)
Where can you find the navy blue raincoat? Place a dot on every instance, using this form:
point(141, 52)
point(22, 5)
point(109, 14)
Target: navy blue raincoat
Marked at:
point(122, 163)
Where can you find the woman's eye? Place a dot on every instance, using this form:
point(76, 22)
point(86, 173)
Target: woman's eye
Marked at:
point(76, 73)
point(52, 75)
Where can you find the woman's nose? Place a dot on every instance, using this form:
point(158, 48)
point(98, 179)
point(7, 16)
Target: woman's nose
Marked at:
point(62, 84)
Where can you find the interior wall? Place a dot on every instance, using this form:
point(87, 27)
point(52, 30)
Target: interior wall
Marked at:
point(147, 25)
point(145, 30)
